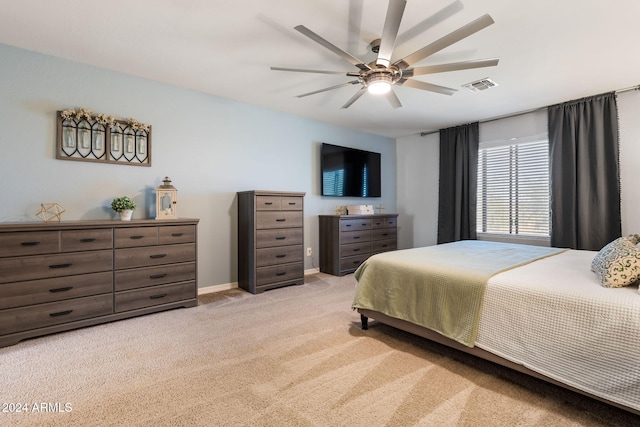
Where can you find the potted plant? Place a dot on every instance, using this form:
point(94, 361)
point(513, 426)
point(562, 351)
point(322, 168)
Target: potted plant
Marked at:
point(124, 206)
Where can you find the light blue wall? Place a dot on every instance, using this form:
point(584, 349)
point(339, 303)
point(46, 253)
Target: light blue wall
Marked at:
point(210, 147)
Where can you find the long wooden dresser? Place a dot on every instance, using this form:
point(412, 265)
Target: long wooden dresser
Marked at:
point(347, 240)
point(270, 239)
point(66, 275)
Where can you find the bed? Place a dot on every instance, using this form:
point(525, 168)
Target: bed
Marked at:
point(541, 311)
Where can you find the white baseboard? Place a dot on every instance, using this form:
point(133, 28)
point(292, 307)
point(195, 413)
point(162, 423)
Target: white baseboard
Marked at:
point(234, 285)
point(217, 288)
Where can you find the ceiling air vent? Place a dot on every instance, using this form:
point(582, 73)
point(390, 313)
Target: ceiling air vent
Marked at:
point(481, 84)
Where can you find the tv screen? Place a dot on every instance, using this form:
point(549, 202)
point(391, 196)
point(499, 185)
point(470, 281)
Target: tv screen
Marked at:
point(349, 172)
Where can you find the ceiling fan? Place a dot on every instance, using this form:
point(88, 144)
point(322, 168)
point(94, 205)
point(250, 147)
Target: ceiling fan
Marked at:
point(378, 76)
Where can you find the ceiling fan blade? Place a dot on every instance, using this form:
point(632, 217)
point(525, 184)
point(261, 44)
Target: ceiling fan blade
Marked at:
point(454, 66)
point(417, 84)
point(451, 38)
point(390, 31)
point(329, 88)
point(335, 49)
point(393, 99)
point(429, 22)
point(355, 97)
point(303, 70)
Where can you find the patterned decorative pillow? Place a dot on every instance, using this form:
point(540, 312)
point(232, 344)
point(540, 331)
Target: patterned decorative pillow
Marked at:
point(618, 263)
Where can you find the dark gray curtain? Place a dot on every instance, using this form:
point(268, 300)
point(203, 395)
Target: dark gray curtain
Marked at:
point(458, 183)
point(584, 168)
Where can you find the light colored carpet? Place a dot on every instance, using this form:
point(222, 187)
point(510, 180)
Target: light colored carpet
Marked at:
point(294, 356)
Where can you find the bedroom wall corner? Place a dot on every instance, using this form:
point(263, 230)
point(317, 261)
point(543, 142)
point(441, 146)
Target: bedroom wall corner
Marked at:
point(417, 167)
point(628, 113)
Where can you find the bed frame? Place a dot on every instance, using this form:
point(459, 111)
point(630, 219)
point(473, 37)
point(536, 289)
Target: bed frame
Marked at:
point(366, 314)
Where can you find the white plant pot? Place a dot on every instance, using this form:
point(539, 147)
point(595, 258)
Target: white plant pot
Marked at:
point(126, 215)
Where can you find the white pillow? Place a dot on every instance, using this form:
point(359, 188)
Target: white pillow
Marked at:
point(618, 263)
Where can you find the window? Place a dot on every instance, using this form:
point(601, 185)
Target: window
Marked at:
point(513, 188)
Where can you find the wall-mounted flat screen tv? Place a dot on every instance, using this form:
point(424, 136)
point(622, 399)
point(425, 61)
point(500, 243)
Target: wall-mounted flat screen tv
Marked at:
point(349, 172)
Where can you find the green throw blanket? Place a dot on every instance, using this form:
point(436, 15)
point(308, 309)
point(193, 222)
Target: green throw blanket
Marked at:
point(439, 287)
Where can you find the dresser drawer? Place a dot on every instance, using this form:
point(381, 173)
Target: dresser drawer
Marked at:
point(170, 234)
point(278, 237)
point(39, 267)
point(355, 224)
point(383, 233)
point(378, 246)
point(29, 243)
point(156, 295)
point(54, 313)
point(152, 276)
point(268, 203)
point(391, 222)
point(384, 222)
point(86, 240)
point(136, 236)
point(350, 263)
point(355, 249)
point(154, 255)
point(48, 290)
point(355, 236)
point(278, 255)
point(284, 219)
point(378, 223)
point(292, 203)
point(280, 273)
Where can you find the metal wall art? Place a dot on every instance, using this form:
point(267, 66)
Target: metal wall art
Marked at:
point(85, 136)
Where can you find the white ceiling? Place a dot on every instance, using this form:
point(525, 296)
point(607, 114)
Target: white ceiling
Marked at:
point(550, 51)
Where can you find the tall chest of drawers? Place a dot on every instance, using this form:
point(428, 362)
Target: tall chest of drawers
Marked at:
point(65, 275)
point(270, 239)
point(347, 240)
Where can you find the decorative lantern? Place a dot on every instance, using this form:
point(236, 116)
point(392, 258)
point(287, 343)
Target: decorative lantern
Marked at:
point(166, 200)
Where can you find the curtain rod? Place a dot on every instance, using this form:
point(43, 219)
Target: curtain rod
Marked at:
point(519, 113)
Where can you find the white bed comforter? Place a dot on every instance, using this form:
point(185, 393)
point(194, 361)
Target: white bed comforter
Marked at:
point(553, 317)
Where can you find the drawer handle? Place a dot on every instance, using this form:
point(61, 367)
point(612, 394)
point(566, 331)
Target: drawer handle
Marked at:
point(385, 234)
point(282, 273)
point(356, 249)
point(66, 288)
point(364, 224)
point(292, 203)
point(280, 237)
point(356, 237)
point(88, 240)
point(136, 237)
point(356, 262)
point(30, 243)
point(268, 203)
point(177, 234)
point(384, 246)
point(347, 225)
point(61, 265)
point(281, 256)
point(60, 313)
point(158, 296)
point(158, 276)
point(281, 219)
point(158, 256)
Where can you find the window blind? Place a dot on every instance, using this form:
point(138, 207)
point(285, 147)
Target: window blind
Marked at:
point(333, 182)
point(513, 188)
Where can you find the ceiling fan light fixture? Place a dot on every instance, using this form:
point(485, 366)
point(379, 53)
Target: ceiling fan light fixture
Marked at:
point(379, 84)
